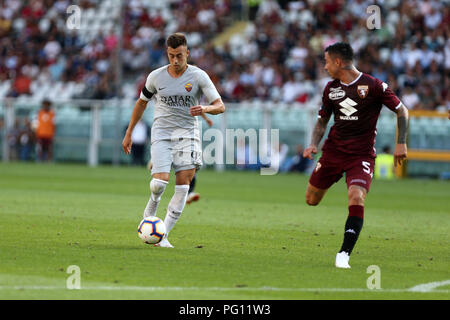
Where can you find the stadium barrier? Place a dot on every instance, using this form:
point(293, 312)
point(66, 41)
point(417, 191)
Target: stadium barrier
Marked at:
point(91, 131)
point(423, 123)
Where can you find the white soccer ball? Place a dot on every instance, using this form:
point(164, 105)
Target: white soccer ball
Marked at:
point(151, 230)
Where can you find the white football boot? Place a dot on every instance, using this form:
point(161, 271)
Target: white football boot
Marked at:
point(192, 197)
point(342, 259)
point(164, 243)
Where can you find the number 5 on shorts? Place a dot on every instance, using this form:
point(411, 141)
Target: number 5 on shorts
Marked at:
point(366, 167)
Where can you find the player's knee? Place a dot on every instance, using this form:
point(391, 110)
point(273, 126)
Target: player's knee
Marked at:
point(157, 186)
point(311, 200)
point(356, 196)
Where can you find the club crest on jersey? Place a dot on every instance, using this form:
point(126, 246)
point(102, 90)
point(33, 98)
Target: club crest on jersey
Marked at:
point(318, 165)
point(336, 93)
point(363, 91)
point(188, 87)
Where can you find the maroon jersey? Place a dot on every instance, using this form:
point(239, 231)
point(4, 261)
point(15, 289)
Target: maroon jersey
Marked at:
point(356, 107)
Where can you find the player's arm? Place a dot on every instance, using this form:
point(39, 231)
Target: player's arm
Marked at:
point(208, 120)
point(402, 132)
point(216, 107)
point(317, 135)
point(390, 100)
point(209, 90)
point(136, 115)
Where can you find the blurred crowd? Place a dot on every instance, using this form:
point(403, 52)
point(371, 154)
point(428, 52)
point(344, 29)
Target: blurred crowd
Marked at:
point(37, 48)
point(278, 57)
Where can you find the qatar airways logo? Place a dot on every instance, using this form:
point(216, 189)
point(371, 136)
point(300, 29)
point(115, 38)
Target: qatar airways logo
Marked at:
point(178, 101)
point(348, 109)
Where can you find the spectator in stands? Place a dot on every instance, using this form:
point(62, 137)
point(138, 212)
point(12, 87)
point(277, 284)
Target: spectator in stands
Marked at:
point(26, 140)
point(410, 98)
point(45, 132)
point(21, 85)
point(13, 141)
point(298, 162)
point(140, 139)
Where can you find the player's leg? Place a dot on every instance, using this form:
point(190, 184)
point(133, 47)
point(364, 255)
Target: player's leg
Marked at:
point(157, 186)
point(324, 175)
point(358, 178)
point(50, 149)
point(177, 203)
point(187, 157)
point(353, 225)
point(192, 196)
point(314, 195)
point(161, 164)
point(192, 184)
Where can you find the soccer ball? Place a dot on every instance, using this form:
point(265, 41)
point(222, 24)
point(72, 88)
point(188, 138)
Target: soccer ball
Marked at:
point(151, 230)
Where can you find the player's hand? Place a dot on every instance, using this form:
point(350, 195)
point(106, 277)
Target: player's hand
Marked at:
point(126, 144)
point(400, 153)
point(196, 110)
point(309, 152)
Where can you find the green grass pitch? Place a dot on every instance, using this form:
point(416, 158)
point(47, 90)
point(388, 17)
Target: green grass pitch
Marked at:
point(249, 237)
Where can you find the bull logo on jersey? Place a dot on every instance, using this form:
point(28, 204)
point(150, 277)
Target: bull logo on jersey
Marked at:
point(188, 87)
point(318, 165)
point(363, 91)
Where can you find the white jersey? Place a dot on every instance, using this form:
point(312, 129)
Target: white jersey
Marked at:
point(174, 97)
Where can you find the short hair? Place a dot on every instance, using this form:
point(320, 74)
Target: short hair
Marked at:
point(175, 40)
point(341, 49)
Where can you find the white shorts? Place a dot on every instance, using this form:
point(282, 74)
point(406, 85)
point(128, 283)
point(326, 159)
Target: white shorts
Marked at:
point(183, 154)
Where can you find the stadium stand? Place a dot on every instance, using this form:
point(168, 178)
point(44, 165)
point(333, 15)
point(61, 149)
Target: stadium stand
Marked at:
point(277, 57)
point(271, 62)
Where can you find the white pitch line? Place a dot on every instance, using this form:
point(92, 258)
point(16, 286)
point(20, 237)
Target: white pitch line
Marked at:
point(429, 287)
point(264, 289)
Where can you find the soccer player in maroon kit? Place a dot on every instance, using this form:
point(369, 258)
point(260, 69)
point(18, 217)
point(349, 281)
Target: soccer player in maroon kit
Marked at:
point(355, 99)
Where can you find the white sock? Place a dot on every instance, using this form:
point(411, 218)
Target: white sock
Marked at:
point(176, 206)
point(157, 188)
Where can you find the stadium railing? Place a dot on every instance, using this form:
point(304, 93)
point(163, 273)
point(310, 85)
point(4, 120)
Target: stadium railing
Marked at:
point(428, 145)
point(91, 131)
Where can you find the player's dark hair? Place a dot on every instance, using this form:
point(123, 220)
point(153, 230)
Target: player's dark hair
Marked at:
point(175, 40)
point(342, 50)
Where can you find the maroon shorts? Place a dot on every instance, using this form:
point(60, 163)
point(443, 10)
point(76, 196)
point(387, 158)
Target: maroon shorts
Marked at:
point(331, 167)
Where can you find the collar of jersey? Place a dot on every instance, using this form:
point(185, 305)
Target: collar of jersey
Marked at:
point(167, 69)
point(357, 78)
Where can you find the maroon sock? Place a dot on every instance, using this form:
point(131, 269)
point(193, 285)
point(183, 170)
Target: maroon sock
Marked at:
point(356, 211)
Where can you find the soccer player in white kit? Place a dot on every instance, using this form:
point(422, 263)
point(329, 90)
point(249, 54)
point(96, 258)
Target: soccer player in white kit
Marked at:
point(175, 136)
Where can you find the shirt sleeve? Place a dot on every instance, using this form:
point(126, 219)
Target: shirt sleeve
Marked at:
point(326, 109)
point(387, 96)
point(207, 87)
point(149, 89)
